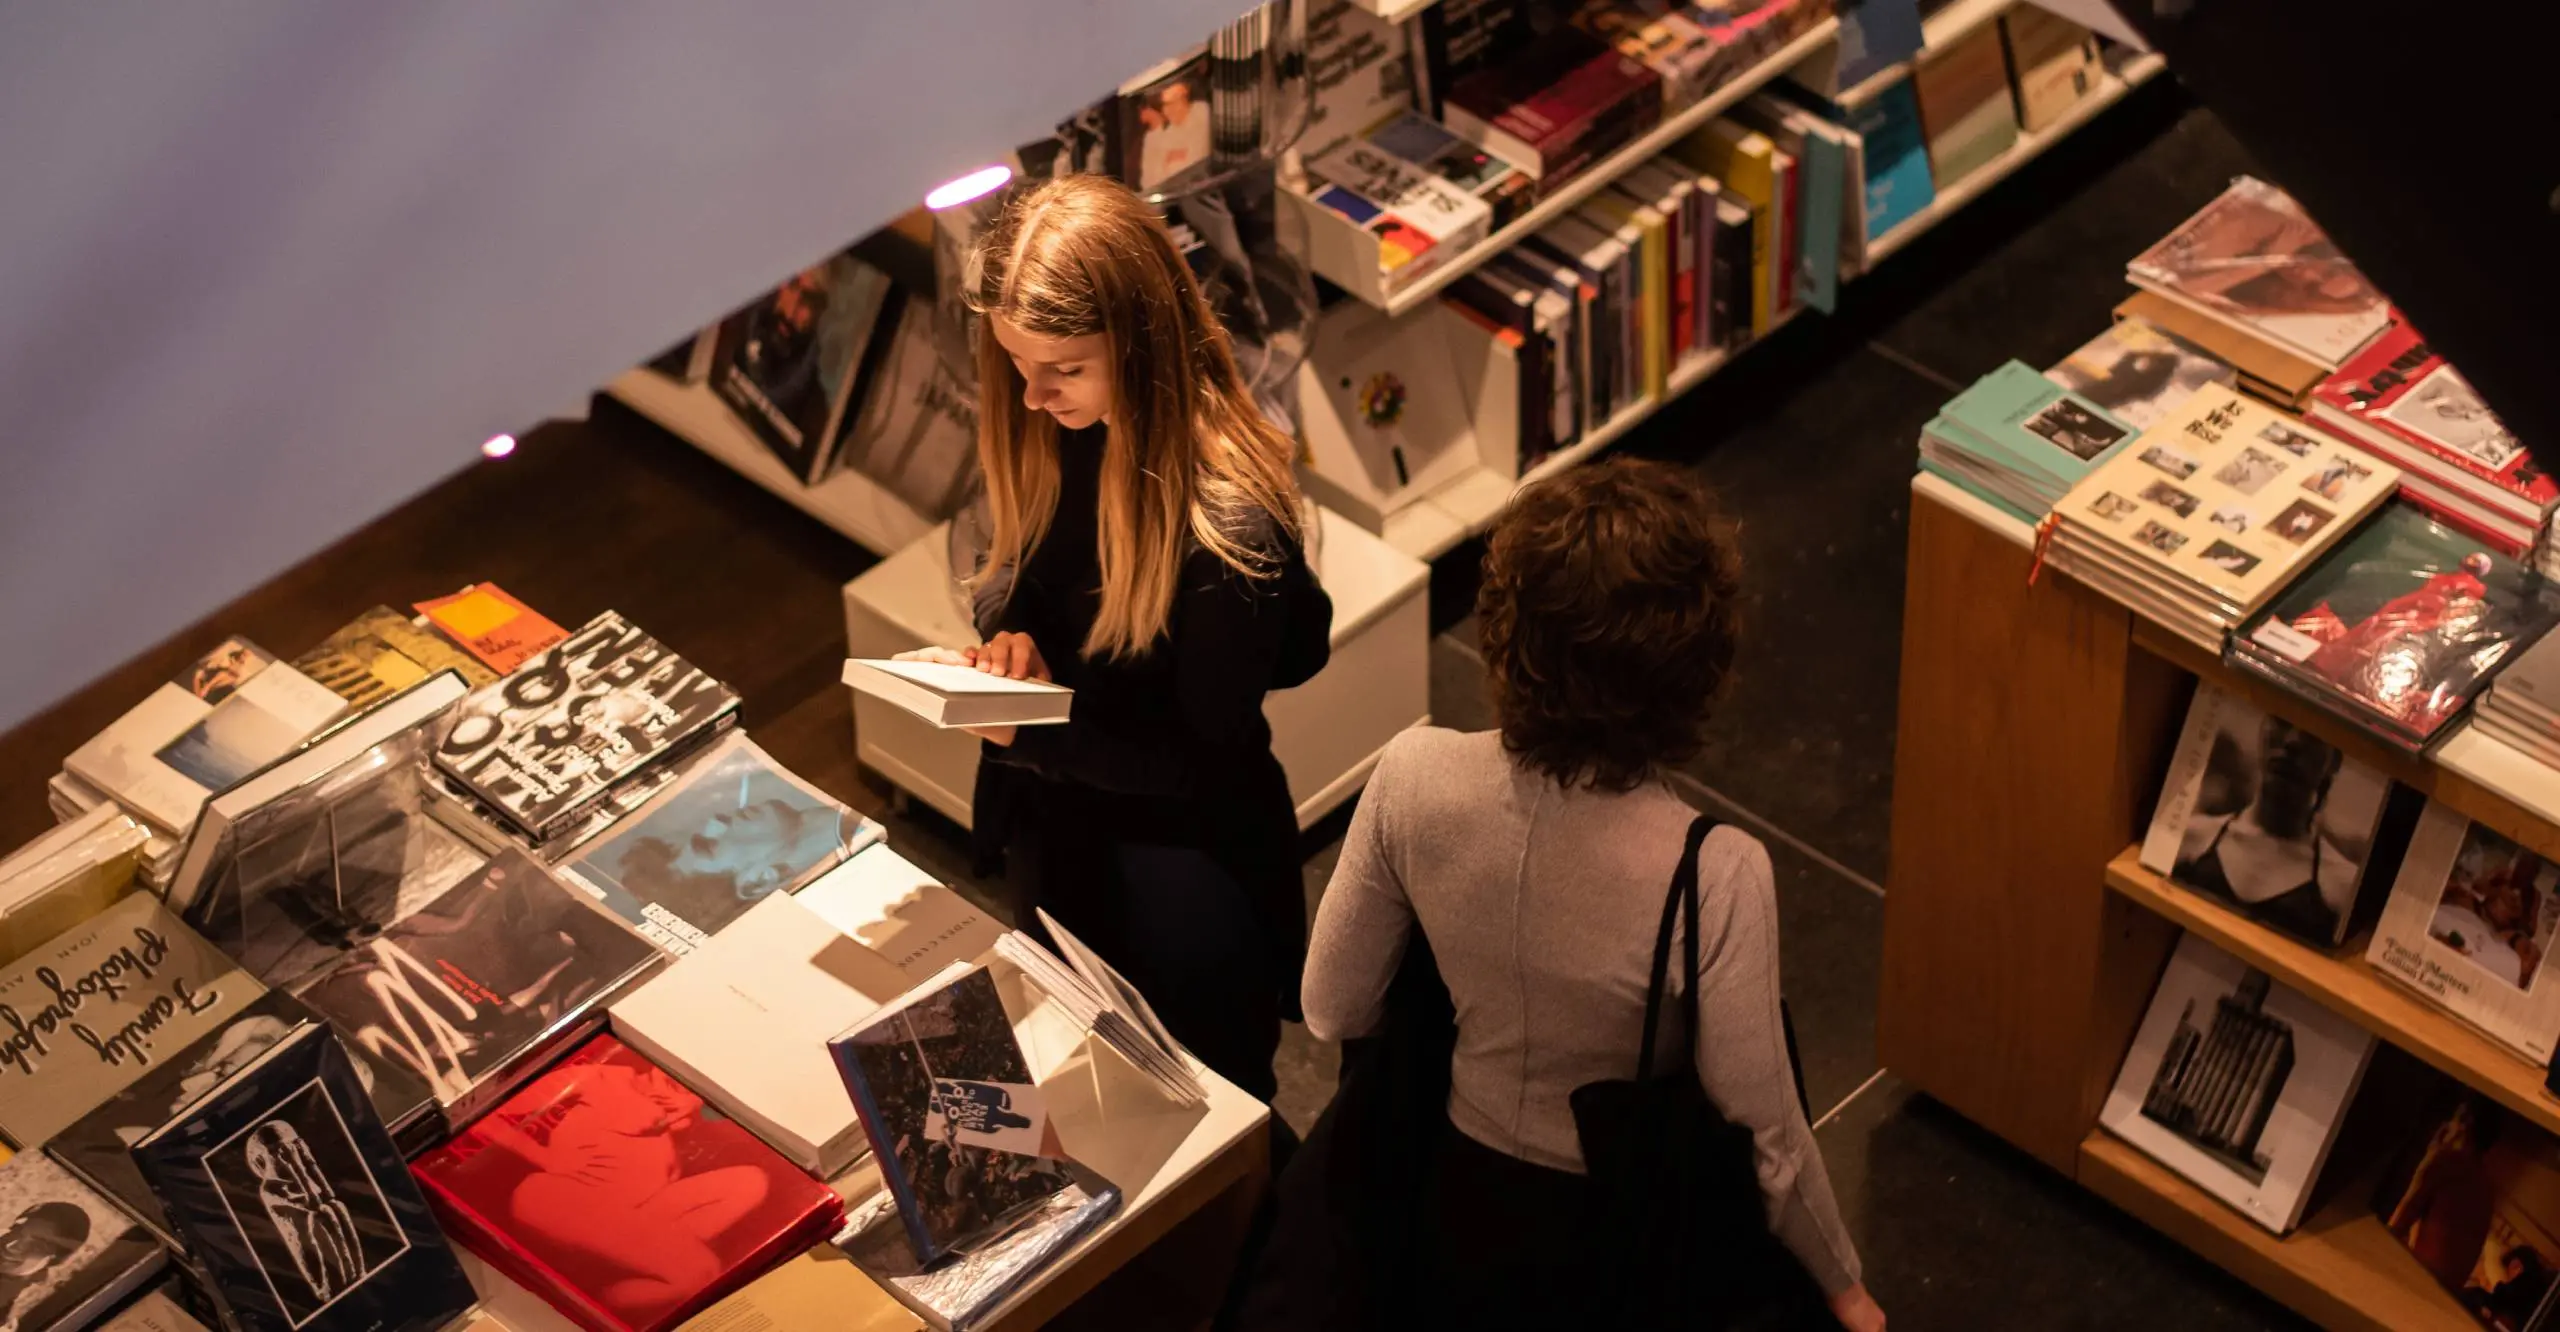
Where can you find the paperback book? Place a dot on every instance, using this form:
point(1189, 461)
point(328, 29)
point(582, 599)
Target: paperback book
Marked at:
point(101, 1004)
point(2399, 626)
point(66, 1254)
point(962, 1292)
point(588, 712)
point(502, 632)
point(2237, 1083)
point(2138, 373)
point(474, 992)
point(947, 696)
point(284, 1185)
point(2021, 442)
point(2470, 922)
point(2254, 260)
point(1417, 218)
point(99, 1146)
point(735, 828)
point(612, 1191)
point(2271, 820)
point(961, 1132)
point(380, 653)
point(227, 715)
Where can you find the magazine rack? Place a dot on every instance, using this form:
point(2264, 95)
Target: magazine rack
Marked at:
point(2022, 939)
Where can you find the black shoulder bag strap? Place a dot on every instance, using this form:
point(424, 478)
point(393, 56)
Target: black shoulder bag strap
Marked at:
point(1683, 900)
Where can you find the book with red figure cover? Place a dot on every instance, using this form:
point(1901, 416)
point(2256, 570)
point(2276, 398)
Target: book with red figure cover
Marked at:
point(2400, 399)
point(618, 1195)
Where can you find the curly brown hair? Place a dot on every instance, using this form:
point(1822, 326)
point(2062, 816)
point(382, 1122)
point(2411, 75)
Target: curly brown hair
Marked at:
point(1610, 613)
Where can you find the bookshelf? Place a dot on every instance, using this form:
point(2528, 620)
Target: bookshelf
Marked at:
point(1940, 30)
point(1616, 164)
point(2023, 939)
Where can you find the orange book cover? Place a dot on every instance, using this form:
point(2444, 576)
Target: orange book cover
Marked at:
point(498, 629)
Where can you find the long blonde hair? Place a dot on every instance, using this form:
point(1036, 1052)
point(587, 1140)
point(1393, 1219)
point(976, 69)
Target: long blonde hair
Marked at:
point(1188, 454)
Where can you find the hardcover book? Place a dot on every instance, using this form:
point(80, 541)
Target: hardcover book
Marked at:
point(2475, 1197)
point(540, 744)
point(788, 364)
point(380, 653)
point(1558, 107)
point(2270, 819)
point(2469, 925)
point(961, 1293)
point(915, 430)
point(68, 875)
point(1456, 39)
point(1429, 146)
point(2399, 626)
point(2237, 1083)
point(501, 631)
point(947, 695)
point(289, 1191)
point(2138, 373)
point(961, 1131)
point(613, 1192)
point(2255, 260)
point(2401, 399)
point(475, 991)
point(99, 1147)
point(230, 713)
point(99, 1005)
point(736, 828)
point(66, 1254)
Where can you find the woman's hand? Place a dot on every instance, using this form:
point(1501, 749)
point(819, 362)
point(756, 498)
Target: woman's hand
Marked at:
point(1013, 656)
point(939, 656)
point(1856, 1310)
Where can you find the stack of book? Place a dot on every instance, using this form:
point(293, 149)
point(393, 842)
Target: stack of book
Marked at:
point(2402, 401)
point(2019, 442)
point(66, 876)
point(2206, 516)
point(2522, 705)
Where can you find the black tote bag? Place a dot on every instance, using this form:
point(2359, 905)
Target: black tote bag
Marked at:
point(1675, 1184)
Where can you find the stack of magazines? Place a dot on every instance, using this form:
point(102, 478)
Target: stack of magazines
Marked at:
point(2019, 441)
point(2399, 627)
point(2522, 705)
point(1105, 1003)
point(2201, 520)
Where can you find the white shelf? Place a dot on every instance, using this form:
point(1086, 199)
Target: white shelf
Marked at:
point(2028, 148)
point(849, 502)
point(1937, 32)
point(1600, 173)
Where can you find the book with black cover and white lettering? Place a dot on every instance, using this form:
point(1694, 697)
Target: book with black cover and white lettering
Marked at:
point(100, 1005)
point(98, 1147)
point(66, 1254)
point(475, 991)
point(541, 744)
point(287, 1188)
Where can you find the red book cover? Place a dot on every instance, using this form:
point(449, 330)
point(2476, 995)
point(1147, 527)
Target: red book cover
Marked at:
point(2398, 386)
point(609, 1189)
point(1571, 99)
point(484, 621)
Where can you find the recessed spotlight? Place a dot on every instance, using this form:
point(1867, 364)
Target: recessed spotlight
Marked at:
point(983, 181)
point(498, 446)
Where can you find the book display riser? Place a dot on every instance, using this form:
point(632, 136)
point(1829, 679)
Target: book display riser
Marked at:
point(2023, 941)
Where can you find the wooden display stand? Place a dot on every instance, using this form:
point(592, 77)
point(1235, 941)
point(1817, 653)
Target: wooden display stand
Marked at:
point(2023, 941)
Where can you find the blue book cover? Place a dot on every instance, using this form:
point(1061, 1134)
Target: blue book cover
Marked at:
point(2034, 426)
point(1875, 34)
point(1899, 185)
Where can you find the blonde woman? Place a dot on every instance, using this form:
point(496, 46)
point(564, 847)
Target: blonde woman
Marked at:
point(1146, 550)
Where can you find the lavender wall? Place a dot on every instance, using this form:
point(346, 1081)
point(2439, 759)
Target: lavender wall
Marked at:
point(269, 267)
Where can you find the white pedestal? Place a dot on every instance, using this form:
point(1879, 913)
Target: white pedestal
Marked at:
point(1327, 732)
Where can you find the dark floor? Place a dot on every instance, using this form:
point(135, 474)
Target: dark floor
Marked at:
point(1811, 439)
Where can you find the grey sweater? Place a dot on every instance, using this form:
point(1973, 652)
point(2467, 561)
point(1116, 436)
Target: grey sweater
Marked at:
point(1541, 906)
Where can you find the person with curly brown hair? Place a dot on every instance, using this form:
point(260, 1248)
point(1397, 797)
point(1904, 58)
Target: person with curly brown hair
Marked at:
point(1532, 861)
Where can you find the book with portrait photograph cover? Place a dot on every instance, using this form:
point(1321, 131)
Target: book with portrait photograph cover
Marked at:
point(2137, 372)
point(2474, 1196)
point(66, 1254)
point(2020, 442)
point(475, 991)
point(1163, 124)
point(788, 364)
point(2471, 918)
point(733, 829)
point(615, 1193)
point(229, 713)
point(541, 744)
point(2254, 260)
point(2404, 402)
point(2237, 1083)
point(2397, 628)
point(2269, 819)
point(98, 1005)
point(98, 1147)
point(287, 1189)
point(961, 1131)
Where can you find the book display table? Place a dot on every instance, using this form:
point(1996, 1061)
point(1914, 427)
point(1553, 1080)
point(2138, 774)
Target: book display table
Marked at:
point(2022, 939)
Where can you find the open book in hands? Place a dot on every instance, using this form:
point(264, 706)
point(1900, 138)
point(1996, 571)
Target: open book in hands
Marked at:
point(953, 696)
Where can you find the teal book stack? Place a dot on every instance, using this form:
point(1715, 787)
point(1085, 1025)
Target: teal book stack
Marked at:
point(2019, 441)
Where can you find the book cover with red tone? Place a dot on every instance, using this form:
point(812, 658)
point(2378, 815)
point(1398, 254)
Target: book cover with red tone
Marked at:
point(1562, 104)
point(609, 1189)
point(484, 621)
point(2400, 398)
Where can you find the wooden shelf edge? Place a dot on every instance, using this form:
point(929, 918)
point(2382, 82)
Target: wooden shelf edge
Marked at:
point(2346, 985)
point(2340, 1268)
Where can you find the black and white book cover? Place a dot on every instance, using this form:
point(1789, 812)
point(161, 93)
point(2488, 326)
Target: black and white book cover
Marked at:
point(66, 1254)
point(471, 992)
point(915, 430)
point(2270, 819)
point(287, 1188)
point(99, 1146)
point(2237, 1083)
point(2470, 925)
point(594, 708)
